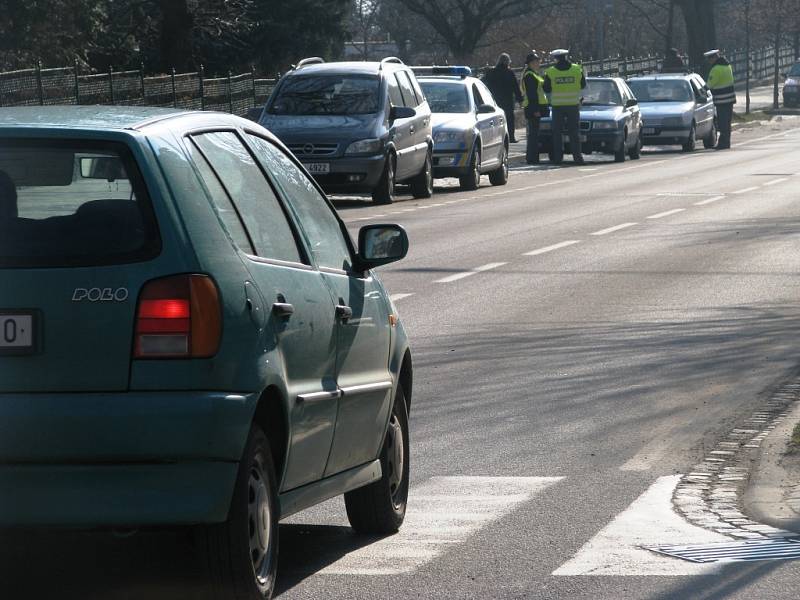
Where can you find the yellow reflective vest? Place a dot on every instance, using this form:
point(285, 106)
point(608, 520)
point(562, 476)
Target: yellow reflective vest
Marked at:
point(566, 85)
point(541, 98)
point(720, 82)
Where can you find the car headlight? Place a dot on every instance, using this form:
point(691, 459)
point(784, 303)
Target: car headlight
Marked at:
point(545, 126)
point(371, 146)
point(605, 125)
point(444, 137)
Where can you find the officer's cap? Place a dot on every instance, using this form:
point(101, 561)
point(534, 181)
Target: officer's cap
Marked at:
point(531, 57)
point(711, 53)
point(558, 53)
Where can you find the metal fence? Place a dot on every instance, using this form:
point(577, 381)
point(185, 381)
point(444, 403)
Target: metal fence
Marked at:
point(39, 86)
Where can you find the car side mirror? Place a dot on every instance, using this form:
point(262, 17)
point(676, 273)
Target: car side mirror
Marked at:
point(485, 109)
point(631, 102)
point(380, 245)
point(401, 112)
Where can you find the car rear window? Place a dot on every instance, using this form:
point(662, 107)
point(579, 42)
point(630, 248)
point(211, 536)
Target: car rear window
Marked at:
point(72, 204)
point(661, 90)
point(601, 92)
point(446, 96)
point(795, 70)
point(327, 95)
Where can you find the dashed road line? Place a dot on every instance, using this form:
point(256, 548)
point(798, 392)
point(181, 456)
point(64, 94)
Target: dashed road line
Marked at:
point(745, 190)
point(776, 181)
point(613, 229)
point(666, 213)
point(709, 200)
point(398, 297)
point(551, 248)
point(475, 271)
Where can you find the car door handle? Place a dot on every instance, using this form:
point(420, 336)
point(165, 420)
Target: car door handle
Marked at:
point(282, 309)
point(411, 129)
point(343, 313)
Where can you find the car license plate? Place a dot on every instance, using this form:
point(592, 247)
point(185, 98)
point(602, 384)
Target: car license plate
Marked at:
point(318, 168)
point(16, 333)
point(649, 130)
point(583, 138)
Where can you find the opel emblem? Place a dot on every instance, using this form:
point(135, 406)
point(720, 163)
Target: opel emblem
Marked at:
point(308, 149)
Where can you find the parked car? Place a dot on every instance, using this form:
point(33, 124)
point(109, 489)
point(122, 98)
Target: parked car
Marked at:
point(610, 120)
point(676, 109)
point(356, 126)
point(190, 336)
point(470, 134)
point(791, 87)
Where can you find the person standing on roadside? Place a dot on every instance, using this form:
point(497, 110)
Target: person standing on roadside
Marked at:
point(534, 103)
point(563, 83)
point(673, 62)
point(503, 84)
point(721, 82)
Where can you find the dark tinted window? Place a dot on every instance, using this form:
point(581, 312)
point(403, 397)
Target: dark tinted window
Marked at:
point(257, 204)
point(325, 94)
point(409, 99)
point(65, 204)
point(795, 70)
point(394, 91)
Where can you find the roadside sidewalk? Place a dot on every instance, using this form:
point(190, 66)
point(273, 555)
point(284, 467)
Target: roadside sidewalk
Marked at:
point(773, 494)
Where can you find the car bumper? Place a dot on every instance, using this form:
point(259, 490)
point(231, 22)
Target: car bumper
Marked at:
point(123, 459)
point(591, 141)
point(451, 163)
point(792, 97)
point(350, 174)
point(662, 136)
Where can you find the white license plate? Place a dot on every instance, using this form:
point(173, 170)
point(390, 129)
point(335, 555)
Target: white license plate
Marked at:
point(649, 130)
point(16, 332)
point(583, 138)
point(318, 168)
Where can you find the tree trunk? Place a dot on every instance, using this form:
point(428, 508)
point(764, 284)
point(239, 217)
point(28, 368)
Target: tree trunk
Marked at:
point(176, 35)
point(670, 25)
point(700, 29)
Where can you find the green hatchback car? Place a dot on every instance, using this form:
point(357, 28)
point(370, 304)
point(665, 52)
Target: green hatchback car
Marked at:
point(189, 337)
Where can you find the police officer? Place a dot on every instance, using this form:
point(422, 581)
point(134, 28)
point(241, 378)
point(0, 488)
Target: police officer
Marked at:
point(563, 82)
point(534, 103)
point(503, 84)
point(720, 82)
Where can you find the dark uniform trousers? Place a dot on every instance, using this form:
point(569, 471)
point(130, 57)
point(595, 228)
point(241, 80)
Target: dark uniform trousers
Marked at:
point(572, 116)
point(724, 118)
point(509, 110)
point(532, 148)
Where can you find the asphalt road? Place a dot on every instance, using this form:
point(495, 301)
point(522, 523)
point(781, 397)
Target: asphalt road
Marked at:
point(580, 336)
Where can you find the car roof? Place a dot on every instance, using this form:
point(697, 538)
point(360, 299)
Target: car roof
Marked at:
point(451, 78)
point(366, 68)
point(665, 76)
point(604, 79)
point(85, 117)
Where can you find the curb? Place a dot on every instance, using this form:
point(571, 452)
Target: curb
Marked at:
point(711, 495)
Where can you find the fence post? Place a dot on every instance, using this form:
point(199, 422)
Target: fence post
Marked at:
point(230, 93)
point(77, 84)
point(141, 82)
point(111, 83)
point(174, 91)
point(39, 88)
point(253, 79)
point(202, 74)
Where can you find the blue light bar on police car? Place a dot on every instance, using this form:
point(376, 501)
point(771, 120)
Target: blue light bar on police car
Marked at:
point(451, 71)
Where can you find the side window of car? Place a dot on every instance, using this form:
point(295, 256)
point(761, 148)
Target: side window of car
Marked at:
point(409, 99)
point(322, 229)
point(221, 200)
point(417, 89)
point(394, 91)
point(486, 95)
point(476, 94)
point(260, 209)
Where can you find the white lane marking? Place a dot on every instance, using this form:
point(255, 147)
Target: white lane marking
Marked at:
point(587, 169)
point(745, 190)
point(709, 200)
point(397, 297)
point(666, 213)
point(649, 520)
point(451, 201)
point(437, 204)
point(442, 512)
point(551, 248)
point(462, 275)
point(380, 216)
point(776, 181)
point(424, 206)
point(613, 229)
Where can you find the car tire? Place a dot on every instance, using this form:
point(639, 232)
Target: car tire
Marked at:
point(500, 175)
point(380, 507)
point(422, 184)
point(242, 552)
point(636, 150)
point(711, 139)
point(691, 143)
point(619, 155)
point(384, 191)
point(472, 179)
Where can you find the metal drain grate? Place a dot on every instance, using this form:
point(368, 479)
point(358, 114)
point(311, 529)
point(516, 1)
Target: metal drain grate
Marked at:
point(771, 549)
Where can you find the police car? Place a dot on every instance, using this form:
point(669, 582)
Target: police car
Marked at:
point(470, 135)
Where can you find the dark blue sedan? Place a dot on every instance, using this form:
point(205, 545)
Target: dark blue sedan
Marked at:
point(610, 121)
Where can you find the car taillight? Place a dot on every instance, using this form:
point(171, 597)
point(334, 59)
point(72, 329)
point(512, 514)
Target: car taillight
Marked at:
point(178, 317)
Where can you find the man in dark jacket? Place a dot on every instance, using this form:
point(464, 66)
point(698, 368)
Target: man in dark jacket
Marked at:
point(503, 84)
point(673, 63)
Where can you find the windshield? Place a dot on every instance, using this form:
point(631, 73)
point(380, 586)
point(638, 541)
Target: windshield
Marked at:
point(601, 93)
point(446, 96)
point(328, 95)
point(795, 70)
point(661, 90)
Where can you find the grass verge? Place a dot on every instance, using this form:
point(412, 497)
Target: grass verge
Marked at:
point(794, 442)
